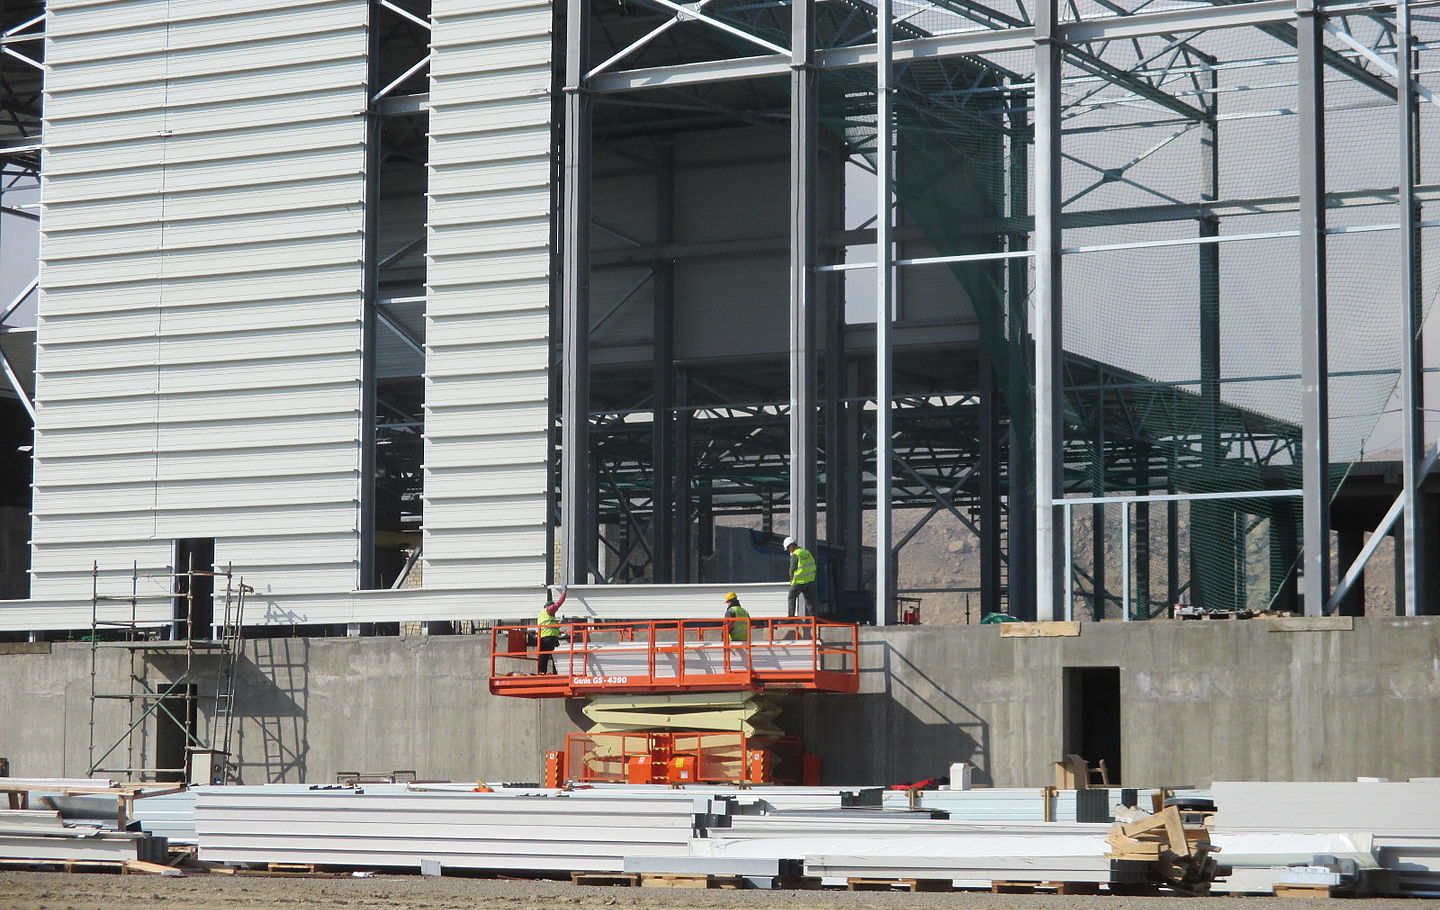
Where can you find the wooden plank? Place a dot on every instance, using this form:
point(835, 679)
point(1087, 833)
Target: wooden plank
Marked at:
point(140, 865)
point(668, 880)
point(1303, 891)
point(1039, 629)
point(1312, 623)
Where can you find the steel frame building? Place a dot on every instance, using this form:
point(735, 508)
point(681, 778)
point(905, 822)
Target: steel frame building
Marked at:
point(499, 214)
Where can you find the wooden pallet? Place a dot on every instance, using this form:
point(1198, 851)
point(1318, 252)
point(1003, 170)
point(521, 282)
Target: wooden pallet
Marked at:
point(1006, 887)
point(69, 865)
point(899, 884)
point(676, 880)
point(1305, 891)
point(290, 867)
point(613, 879)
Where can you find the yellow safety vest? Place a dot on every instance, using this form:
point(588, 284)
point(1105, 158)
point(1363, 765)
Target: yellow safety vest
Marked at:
point(805, 569)
point(738, 622)
point(549, 625)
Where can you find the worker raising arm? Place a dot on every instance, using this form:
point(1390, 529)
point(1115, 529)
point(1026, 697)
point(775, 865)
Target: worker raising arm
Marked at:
point(549, 630)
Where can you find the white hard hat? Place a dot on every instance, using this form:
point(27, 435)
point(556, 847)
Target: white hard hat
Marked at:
point(789, 542)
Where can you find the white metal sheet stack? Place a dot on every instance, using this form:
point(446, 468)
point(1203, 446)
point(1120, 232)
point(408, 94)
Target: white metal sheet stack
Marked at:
point(42, 836)
point(390, 825)
point(1402, 818)
point(892, 844)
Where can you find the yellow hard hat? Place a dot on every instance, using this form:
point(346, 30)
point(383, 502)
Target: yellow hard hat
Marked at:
point(731, 596)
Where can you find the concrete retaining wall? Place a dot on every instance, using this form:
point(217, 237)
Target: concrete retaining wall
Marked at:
point(1200, 701)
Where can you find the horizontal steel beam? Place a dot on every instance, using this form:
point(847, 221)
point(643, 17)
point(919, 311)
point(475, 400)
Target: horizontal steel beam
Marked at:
point(1111, 28)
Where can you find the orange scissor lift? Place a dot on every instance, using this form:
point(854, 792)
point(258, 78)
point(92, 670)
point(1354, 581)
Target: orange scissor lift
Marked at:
point(663, 670)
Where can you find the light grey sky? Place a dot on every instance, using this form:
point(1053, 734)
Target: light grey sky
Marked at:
point(19, 252)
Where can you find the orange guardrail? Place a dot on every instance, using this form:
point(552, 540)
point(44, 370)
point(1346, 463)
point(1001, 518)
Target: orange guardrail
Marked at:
point(677, 655)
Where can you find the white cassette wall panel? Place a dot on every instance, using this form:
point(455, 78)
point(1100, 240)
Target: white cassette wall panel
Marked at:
point(487, 333)
point(200, 314)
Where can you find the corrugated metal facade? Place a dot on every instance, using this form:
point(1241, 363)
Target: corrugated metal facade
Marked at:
point(200, 320)
point(487, 409)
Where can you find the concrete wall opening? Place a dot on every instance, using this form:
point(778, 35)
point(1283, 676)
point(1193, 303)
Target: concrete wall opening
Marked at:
point(175, 727)
point(194, 588)
point(1092, 717)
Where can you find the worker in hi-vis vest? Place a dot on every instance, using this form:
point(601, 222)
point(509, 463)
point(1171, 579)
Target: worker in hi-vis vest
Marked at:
point(737, 620)
point(802, 578)
point(549, 631)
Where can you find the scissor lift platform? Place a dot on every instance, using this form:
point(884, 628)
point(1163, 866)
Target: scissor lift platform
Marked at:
point(687, 655)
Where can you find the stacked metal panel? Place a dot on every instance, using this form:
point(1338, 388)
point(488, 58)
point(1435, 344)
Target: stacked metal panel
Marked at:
point(1401, 817)
point(899, 845)
point(487, 344)
point(200, 294)
point(41, 836)
point(392, 826)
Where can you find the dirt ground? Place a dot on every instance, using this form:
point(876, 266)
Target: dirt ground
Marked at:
point(60, 891)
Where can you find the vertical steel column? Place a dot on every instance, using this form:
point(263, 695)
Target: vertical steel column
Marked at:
point(1099, 593)
point(853, 515)
point(370, 295)
point(1412, 354)
point(989, 488)
point(1212, 544)
point(884, 294)
point(683, 530)
point(662, 378)
point(1314, 358)
point(1125, 561)
point(1020, 439)
point(838, 456)
point(804, 136)
point(1049, 346)
point(576, 518)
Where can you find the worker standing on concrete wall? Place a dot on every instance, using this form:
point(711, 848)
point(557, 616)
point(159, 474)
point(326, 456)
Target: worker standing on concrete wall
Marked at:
point(802, 578)
point(549, 630)
point(737, 619)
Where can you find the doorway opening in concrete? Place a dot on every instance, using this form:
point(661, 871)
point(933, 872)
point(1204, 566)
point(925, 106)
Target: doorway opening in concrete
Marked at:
point(1092, 717)
point(194, 588)
point(175, 728)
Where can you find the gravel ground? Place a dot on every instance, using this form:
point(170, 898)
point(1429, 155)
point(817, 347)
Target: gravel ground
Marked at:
point(60, 891)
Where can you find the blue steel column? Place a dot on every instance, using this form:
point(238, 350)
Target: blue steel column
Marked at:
point(1314, 358)
point(576, 517)
point(1049, 348)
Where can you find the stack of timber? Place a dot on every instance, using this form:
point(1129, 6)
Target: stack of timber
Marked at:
point(170, 815)
point(1174, 854)
point(34, 830)
point(391, 825)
